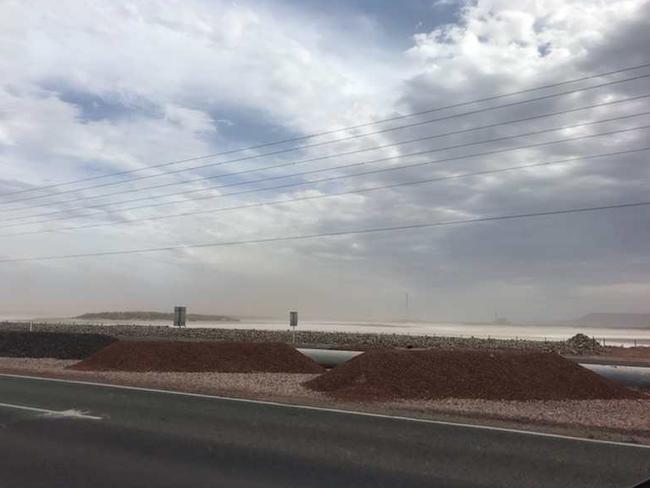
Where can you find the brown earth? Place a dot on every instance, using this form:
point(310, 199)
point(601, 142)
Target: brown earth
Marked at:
point(642, 353)
point(491, 375)
point(229, 357)
point(622, 356)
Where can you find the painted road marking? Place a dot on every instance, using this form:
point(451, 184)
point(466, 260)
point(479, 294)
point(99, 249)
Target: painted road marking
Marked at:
point(335, 410)
point(75, 414)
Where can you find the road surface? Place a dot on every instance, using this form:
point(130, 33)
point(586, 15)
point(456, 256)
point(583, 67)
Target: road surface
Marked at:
point(61, 434)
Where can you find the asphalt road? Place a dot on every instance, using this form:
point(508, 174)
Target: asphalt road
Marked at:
point(153, 439)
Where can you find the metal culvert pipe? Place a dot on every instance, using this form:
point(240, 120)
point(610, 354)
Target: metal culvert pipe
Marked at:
point(636, 376)
point(329, 358)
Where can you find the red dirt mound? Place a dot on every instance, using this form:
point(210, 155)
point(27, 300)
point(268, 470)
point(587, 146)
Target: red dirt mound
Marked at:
point(492, 375)
point(178, 356)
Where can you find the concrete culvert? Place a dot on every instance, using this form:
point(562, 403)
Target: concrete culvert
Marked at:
point(179, 356)
point(491, 375)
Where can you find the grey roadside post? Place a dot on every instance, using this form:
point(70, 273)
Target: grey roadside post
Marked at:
point(179, 316)
point(293, 323)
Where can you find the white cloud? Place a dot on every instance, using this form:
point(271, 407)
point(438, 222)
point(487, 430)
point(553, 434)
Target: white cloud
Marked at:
point(96, 86)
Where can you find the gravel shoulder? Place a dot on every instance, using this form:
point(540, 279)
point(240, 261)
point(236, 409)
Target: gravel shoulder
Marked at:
point(276, 386)
point(627, 420)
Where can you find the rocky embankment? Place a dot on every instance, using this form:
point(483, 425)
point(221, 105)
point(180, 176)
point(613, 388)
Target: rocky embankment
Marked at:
point(578, 345)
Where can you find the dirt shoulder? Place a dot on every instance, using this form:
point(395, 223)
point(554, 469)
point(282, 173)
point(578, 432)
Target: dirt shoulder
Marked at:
point(619, 420)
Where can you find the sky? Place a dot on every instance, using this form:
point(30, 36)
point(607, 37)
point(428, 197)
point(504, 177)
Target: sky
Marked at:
point(97, 97)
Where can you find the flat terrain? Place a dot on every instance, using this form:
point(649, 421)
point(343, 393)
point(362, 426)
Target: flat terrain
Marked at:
point(305, 338)
point(144, 438)
point(154, 316)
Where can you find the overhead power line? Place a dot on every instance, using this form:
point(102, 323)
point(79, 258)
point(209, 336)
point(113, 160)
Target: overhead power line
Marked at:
point(372, 230)
point(335, 194)
point(102, 207)
point(304, 161)
point(376, 171)
point(365, 173)
point(302, 147)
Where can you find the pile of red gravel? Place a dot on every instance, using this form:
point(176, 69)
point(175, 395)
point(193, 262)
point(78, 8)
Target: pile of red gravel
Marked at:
point(491, 375)
point(178, 356)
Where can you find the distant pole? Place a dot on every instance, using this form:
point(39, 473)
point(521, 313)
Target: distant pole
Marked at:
point(293, 323)
point(406, 306)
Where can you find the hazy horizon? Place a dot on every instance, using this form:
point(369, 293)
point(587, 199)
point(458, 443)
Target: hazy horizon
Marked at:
point(343, 319)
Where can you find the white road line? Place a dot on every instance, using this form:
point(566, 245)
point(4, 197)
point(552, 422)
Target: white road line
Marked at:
point(336, 410)
point(77, 414)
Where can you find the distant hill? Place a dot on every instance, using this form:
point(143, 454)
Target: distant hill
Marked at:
point(191, 317)
point(637, 320)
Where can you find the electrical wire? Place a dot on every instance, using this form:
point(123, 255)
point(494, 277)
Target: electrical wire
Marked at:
point(299, 148)
point(103, 206)
point(372, 230)
point(193, 213)
point(305, 161)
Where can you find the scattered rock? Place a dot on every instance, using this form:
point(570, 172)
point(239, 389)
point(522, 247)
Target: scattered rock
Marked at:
point(331, 339)
point(582, 344)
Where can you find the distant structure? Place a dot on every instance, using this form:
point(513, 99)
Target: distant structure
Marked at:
point(500, 320)
point(180, 313)
point(293, 323)
point(406, 307)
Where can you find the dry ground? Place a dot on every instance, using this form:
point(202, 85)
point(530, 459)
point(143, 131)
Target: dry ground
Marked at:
point(618, 419)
